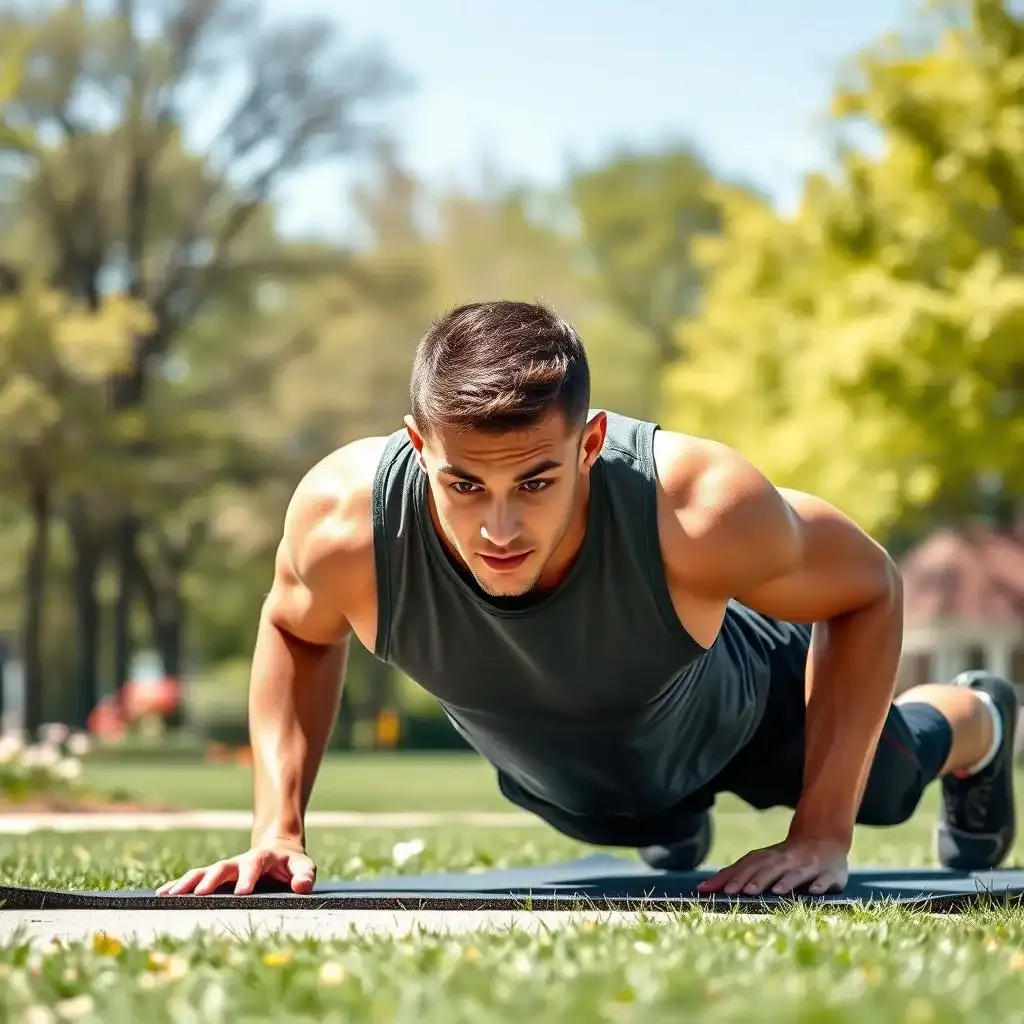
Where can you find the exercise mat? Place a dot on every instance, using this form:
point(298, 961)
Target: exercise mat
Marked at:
point(599, 882)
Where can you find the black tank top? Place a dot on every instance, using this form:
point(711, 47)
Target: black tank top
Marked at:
point(592, 698)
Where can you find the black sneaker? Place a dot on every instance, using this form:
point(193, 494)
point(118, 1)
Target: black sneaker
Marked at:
point(685, 854)
point(977, 821)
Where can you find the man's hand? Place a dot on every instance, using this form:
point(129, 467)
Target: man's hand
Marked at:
point(282, 860)
point(784, 867)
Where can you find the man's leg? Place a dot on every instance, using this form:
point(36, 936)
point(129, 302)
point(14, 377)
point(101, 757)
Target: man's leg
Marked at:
point(961, 733)
point(977, 822)
point(686, 853)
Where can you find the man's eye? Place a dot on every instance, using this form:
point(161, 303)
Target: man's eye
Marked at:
point(463, 487)
point(536, 486)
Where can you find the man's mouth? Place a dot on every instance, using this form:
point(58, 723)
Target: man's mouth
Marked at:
point(505, 563)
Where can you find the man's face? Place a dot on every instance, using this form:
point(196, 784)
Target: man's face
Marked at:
point(509, 503)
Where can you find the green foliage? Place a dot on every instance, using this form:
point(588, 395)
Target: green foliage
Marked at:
point(868, 346)
point(640, 215)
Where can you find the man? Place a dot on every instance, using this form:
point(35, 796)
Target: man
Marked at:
point(623, 620)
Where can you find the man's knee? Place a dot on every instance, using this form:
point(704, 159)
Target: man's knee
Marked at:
point(892, 802)
point(895, 786)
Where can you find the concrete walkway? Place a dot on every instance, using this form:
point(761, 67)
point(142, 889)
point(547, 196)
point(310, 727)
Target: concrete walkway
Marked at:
point(172, 821)
point(41, 927)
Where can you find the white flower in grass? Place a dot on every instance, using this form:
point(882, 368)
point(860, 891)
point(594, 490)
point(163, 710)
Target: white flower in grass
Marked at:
point(79, 744)
point(75, 1008)
point(10, 747)
point(69, 769)
point(41, 755)
point(54, 733)
point(37, 1015)
point(402, 852)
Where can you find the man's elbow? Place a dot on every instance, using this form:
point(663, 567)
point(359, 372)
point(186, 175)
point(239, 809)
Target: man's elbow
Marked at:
point(891, 585)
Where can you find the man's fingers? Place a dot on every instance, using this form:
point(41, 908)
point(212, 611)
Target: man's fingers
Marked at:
point(827, 882)
point(251, 869)
point(216, 876)
point(721, 881)
point(792, 880)
point(768, 866)
point(303, 873)
point(716, 883)
point(184, 884)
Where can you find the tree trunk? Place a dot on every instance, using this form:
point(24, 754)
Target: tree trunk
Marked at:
point(170, 630)
point(32, 623)
point(166, 611)
point(127, 530)
point(88, 558)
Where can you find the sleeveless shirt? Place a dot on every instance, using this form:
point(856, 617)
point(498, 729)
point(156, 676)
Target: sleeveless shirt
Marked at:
point(592, 698)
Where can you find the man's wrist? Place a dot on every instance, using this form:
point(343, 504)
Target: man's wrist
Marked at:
point(827, 824)
point(282, 829)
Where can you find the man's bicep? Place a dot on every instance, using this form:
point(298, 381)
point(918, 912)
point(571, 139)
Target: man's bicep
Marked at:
point(304, 610)
point(310, 595)
point(837, 567)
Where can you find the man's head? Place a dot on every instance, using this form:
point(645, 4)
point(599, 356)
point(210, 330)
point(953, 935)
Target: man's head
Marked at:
point(500, 393)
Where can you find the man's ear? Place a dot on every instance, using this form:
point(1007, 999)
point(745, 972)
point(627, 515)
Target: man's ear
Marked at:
point(592, 441)
point(416, 439)
point(415, 434)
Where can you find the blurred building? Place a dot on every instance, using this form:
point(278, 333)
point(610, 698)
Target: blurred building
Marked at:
point(964, 605)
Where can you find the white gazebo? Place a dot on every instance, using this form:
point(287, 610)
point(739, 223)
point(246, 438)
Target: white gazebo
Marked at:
point(963, 605)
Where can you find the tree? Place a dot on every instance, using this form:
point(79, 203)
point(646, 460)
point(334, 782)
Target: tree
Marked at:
point(12, 63)
point(123, 191)
point(867, 347)
point(53, 423)
point(639, 215)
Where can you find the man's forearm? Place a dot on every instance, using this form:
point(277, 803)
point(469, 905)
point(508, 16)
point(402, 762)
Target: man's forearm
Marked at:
point(293, 704)
point(851, 678)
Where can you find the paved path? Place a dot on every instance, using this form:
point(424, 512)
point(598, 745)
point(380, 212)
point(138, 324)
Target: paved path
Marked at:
point(40, 927)
point(23, 824)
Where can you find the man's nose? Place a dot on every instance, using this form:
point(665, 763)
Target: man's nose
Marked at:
point(501, 526)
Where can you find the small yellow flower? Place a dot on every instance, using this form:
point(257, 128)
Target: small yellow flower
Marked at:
point(172, 967)
point(106, 945)
point(1017, 961)
point(278, 959)
point(472, 954)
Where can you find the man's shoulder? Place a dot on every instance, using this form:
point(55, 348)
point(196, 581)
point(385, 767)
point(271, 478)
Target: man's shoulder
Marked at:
point(330, 514)
point(714, 504)
point(699, 476)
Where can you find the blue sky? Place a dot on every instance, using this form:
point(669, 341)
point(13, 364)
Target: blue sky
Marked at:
point(531, 84)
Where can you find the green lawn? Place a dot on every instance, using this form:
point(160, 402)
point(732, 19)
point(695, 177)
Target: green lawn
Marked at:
point(871, 965)
point(349, 782)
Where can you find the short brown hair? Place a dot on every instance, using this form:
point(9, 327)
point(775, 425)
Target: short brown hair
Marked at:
point(497, 366)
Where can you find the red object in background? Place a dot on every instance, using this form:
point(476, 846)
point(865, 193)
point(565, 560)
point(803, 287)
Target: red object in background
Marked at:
point(151, 697)
point(106, 721)
point(138, 698)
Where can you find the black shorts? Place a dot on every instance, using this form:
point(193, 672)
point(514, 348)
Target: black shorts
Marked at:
point(768, 771)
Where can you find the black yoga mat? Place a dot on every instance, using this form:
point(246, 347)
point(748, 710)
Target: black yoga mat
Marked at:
point(600, 882)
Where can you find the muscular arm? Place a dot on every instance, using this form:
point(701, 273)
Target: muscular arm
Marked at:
point(795, 557)
point(302, 643)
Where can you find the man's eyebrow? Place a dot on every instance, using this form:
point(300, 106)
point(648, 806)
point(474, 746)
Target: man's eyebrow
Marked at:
point(542, 467)
point(449, 470)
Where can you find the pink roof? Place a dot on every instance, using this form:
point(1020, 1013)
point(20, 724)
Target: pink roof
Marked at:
point(973, 574)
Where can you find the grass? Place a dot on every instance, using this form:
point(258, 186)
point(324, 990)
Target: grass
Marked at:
point(349, 782)
point(873, 964)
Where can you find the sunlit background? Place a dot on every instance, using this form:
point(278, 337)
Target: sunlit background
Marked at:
point(797, 228)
